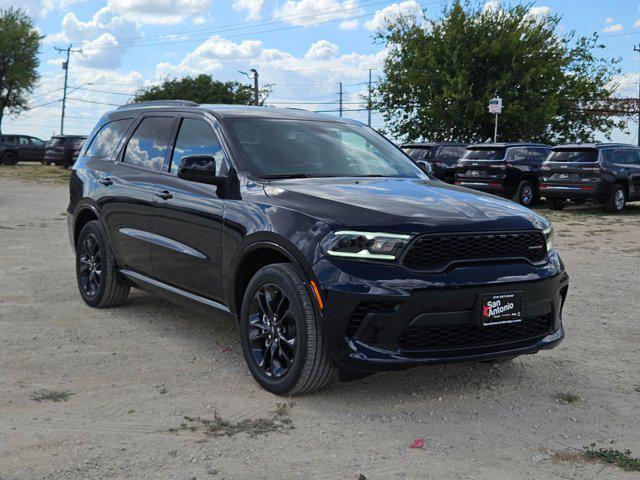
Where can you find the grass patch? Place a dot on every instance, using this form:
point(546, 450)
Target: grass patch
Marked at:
point(219, 427)
point(621, 459)
point(36, 173)
point(566, 397)
point(44, 395)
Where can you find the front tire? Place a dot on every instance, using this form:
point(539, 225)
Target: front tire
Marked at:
point(525, 194)
point(98, 280)
point(282, 340)
point(617, 200)
point(556, 204)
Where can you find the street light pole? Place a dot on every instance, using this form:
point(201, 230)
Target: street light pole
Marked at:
point(637, 49)
point(65, 66)
point(256, 90)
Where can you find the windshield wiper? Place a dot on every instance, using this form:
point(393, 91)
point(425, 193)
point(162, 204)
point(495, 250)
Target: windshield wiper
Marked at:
point(286, 175)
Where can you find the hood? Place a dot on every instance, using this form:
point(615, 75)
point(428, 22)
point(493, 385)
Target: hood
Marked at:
point(402, 205)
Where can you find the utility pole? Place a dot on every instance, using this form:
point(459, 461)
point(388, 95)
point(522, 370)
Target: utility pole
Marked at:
point(637, 49)
point(340, 95)
point(256, 90)
point(369, 102)
point(65, 66)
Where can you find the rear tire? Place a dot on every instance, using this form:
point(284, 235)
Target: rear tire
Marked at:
point(525, 194)
point(98, 280)
point(556, 204)
point(9, 158)
point(282, 340)
point(617, 200)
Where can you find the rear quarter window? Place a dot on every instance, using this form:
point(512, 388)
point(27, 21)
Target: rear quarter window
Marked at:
point(106, 140)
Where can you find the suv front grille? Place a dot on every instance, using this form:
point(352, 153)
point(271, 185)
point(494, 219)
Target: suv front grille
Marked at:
point(437, 252)
point(469, 336)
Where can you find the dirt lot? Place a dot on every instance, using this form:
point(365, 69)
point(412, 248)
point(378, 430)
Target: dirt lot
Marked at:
point(104, 393)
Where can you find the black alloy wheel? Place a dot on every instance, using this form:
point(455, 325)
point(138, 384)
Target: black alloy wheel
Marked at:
point(9, 158)
point(272, 331)
point(281, 333)
point(90, 269)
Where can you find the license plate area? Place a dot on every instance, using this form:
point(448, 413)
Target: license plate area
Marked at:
point(501, 309)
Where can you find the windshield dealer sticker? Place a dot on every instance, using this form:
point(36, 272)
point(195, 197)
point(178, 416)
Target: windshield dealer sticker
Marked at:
point(501, 309)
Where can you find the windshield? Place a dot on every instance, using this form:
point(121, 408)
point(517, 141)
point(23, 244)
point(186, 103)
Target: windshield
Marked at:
point(419, 153)
point(585, 156)
point(302, 148)
point(485, 154)
point(57, 141)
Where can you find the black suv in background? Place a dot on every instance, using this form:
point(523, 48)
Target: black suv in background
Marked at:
point(506, 169)
point(608, 173)
point(332, 249)
point(442, 157)
point(63, 150)
point(20, 148)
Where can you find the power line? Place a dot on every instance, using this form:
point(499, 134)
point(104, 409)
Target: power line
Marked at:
point(94, 102)
point(242, 34)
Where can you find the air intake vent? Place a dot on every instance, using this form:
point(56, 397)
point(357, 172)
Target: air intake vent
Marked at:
point(437, 252)
point(469, 336)
point(367, 309)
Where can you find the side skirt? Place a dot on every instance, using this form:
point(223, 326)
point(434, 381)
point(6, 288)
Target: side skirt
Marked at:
point(183, 293)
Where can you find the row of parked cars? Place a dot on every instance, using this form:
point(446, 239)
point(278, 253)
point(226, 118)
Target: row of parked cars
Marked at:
point(61, 150)
point(606, 173)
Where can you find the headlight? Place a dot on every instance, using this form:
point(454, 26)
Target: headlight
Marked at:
point(365, 245)
point(548, 235)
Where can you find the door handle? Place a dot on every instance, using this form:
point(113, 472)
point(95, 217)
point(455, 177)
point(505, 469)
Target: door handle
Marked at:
point(165, 194)
point(106, 182)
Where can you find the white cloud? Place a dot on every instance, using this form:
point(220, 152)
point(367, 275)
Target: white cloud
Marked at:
point(307, 12)
point(539, 12)
point(38, 8)
point(492, 6)
point(322, 50)
point(613, 28)
point(321, 65)
point(608, 20)
point(392, 12)
point(252, 7)
point(100, 38)
point(159, 12)
point(349, 25)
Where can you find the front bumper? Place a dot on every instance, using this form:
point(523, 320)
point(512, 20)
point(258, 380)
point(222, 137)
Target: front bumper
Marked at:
point(385, 317)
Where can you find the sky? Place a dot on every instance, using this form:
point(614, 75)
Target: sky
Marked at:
point(303, 48)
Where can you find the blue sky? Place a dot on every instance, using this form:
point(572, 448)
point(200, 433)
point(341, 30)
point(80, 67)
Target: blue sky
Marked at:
point(302, 47)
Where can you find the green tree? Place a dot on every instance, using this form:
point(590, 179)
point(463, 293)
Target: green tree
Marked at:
point(19, 46)
point(440, 74)
point(200, 89)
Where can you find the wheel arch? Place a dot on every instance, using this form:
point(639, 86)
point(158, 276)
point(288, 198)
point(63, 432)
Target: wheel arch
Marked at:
point(257, 255)
point(625, 184)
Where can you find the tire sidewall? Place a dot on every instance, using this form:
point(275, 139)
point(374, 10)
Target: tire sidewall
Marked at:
point(302, 307)
point(94, 228)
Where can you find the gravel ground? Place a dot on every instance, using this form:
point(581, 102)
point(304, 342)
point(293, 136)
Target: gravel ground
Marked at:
point(104, 393)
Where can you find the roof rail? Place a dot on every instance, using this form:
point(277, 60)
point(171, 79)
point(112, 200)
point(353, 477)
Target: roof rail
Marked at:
point(160, 103)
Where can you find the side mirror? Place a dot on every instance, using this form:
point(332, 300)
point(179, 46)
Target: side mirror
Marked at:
point(425, 166)
point(200, 169)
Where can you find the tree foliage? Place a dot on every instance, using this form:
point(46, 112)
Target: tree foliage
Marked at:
point(201, 89)
point(19, 46)
point(440, 74)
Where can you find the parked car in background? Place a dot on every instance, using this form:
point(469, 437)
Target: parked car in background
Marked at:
point(313, 231)
point(506, 169)
point(20, 148)
point(442, 157)
point(607, 173)
point(63, 150)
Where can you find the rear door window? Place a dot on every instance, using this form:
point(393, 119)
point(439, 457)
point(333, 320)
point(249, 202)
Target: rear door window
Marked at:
point(148, 145)
point(104, 143)
point(196, 138)
point(517, 154)
point(614, 156)
point(24, 141)
point(448, 154)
